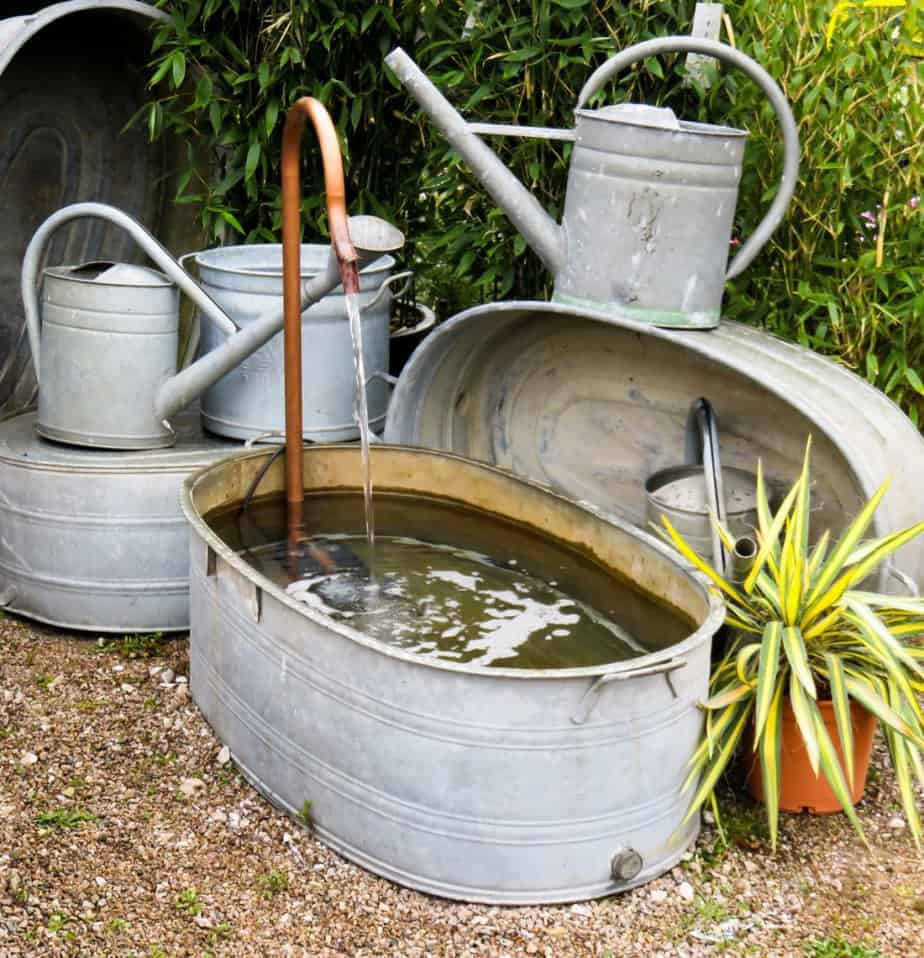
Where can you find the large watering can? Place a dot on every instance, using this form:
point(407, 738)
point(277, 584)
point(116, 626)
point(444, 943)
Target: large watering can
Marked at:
point(106, 337)
point(650, 199)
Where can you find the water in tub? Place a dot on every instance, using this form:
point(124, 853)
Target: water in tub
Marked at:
point(454, 584)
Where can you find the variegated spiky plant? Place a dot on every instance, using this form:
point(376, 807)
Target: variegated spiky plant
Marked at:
point(803, 631)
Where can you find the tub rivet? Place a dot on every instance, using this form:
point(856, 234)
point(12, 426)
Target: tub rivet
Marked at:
point(626, 864)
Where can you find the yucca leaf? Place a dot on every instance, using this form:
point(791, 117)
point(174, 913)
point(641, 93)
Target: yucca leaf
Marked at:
point(871, 700)
point(768, 540)
point(770, 746)
point(764, 518)
point(845, 546)
point(766, 674)
point(835, 776)
point(818, 554)
point(865, 617)
point(865, 549)
point(855, 574)
point(823, 626)
point(690, 555)
point(841, 703)
point(728, 696)
point(703, 752)
point(718, 764)
point(794, 647)
point(801, 509)
point(792, 593)
point(805, 711)
point(914, 753)
point(898, 748)
point(742, 660)
point(886, 604)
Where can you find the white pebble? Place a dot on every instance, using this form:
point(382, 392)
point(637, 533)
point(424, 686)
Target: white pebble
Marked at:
point(685, 890)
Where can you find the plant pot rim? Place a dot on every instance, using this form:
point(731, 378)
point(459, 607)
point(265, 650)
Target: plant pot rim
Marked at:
point(427, 322)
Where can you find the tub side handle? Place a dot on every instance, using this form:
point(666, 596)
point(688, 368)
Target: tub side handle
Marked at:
point(587, 703)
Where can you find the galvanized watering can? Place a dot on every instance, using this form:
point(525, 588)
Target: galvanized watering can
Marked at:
point(106, 338)
point(650, 199)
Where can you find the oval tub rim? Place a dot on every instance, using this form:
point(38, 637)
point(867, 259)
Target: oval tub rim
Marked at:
point(713, 620)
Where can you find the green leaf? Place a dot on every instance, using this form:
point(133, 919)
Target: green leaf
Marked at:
point(794, 647)
point(178, 68)
point(870, 700)
point(231, 219)
point(253, 158)
point(766, 674)
point(815, 600)
point(769, 541)
point(770, 748)
point(718, 763)
point(832, 769)
point(841, 704)
point(805, 710)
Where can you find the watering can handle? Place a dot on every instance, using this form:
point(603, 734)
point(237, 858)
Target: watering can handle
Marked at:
point(157, 253)
point(407, 275)
point(722, 51)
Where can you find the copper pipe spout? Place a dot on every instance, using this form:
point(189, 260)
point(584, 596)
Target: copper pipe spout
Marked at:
point(306, 107)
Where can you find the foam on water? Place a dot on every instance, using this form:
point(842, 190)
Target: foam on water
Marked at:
point(441, 602)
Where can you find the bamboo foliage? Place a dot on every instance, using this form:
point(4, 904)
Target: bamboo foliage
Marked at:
point(803, 632)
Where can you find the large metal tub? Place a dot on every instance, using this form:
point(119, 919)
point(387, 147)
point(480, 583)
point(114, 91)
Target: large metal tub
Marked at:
point(594, 405)
point(72, 75)
point(246, 281)
point(91, 539)
point(496, 785)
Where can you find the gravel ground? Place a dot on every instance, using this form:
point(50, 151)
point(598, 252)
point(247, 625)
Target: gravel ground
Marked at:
point(125, 830)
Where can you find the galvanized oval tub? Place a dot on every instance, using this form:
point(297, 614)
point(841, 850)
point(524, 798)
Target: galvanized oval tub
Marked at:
point(246, 281)
point(483, 784)
point(594, 405)
point(95, 540)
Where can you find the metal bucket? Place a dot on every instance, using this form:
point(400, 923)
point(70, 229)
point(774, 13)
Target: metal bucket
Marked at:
point(594, 405)
point(679, 492)
point(498, 785)
point(246, 281)
point(95, 539)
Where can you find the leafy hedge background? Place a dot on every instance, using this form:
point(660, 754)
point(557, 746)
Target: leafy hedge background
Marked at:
point(842, 275)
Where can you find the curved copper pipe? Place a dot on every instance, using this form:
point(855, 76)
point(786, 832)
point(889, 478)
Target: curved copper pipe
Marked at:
point(306, 108)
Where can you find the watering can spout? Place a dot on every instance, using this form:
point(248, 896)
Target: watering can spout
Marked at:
point(542, 233)
point(372, 237)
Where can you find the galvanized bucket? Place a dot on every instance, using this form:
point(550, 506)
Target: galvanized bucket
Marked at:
point(246, 281)
point(501, 785)
point(679, 493)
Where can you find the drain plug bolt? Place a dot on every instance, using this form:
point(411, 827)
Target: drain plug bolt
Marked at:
point(625, 864)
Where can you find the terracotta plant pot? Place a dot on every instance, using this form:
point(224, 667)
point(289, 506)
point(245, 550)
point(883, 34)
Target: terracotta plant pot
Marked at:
point(800, 789)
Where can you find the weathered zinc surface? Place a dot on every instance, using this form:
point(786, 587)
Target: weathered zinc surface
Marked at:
point(498, 785)
point(594, 405)
point(92, 539)
point(246, 281)
point(650, 200)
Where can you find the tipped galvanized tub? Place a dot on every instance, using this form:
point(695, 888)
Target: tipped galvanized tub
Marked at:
point(483, 784)
point(594, 406)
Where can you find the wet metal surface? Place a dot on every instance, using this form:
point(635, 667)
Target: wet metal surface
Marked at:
point(440, 775)
point(593, 406)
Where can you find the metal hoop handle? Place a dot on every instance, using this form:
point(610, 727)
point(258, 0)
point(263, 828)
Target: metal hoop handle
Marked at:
point(722, 51)
point(157, 253)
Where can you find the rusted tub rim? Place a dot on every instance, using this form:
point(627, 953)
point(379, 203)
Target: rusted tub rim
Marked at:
point(709, 626)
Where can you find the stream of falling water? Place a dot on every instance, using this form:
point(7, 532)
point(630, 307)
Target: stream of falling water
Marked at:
point(361, 415)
